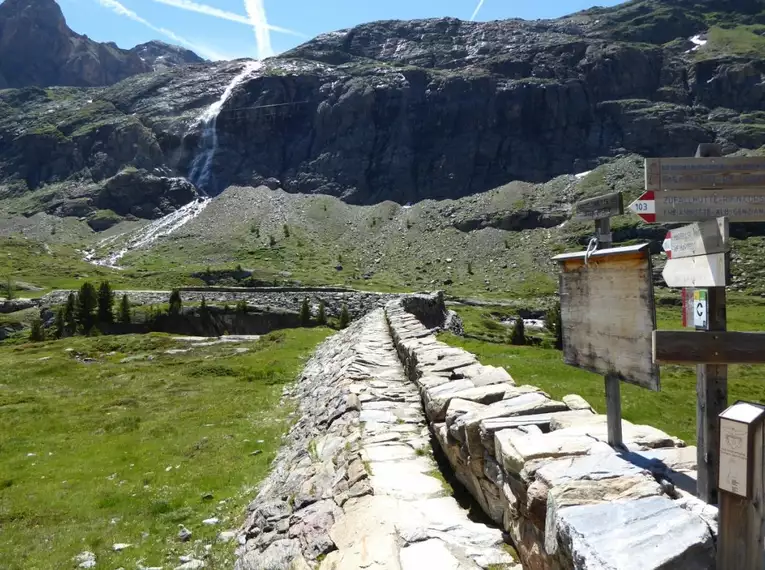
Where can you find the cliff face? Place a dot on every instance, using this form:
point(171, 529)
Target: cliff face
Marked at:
point(411, 110)
point(38, 48)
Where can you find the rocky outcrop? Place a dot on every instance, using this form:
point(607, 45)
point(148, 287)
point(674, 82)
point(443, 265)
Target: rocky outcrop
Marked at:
point(543, 470)
point(354, 485)
point(144, 195)
point(37, 48)
point(406, 111)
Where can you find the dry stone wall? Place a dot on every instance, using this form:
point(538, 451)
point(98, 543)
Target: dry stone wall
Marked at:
point(358, 302)
point(355, 485)
point(542, 469)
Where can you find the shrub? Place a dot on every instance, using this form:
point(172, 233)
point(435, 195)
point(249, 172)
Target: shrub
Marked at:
point(518, 334)
point(286, 230)
point(124, 314)
point(322, 317)
point(87, 301)
point(175, 303)
point(105, 302)
point(470, 267)
point(271, 241)
point(305, 313)
point(345, 318)
point(241, 307)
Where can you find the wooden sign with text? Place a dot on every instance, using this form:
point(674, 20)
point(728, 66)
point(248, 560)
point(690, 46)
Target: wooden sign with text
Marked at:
point(737, 204)
point(600, 207)
point(702, 238)
point(608, 313)
point(700, 173)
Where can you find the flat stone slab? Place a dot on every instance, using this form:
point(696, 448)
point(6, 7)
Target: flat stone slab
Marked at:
point(596, 425)
point(515, 449)
point(646, 534)
point(490, 426)
point(595, 467)
point(387, 452)
point(437, 399)
point(377, 416)
point(407, 480)
point(430, 554)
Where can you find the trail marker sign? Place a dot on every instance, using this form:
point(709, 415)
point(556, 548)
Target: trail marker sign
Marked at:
point(600, 207)
point(677, 206)
point(663, 174)
point(697, 255)
point(700, 314)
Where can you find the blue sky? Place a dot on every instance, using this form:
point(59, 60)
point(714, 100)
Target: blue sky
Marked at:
point(225, 29)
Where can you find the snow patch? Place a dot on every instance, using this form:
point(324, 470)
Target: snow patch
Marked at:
point(582, 175)
point(698, 42)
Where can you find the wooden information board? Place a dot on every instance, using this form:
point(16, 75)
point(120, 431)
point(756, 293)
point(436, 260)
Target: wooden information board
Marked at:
point(608, 314)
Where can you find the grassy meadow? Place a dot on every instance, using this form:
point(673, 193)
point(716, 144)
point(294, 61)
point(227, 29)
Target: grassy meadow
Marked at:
point(673, 409)
point(107, 440)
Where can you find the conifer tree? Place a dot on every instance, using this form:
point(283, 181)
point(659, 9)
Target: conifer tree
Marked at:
point(105, 303)
point(124, 313)
point(87, 302)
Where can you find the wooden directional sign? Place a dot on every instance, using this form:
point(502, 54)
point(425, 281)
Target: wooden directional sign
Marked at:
point(709, 347)
point(700, 271)
point(700, 173)
point(736, 204)
point(599, 207)
point(608, 313)
point(702, 238)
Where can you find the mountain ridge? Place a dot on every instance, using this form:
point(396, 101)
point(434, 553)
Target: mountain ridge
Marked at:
point(37, 48)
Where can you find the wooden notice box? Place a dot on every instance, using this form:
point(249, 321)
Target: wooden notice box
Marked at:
point(608, 313)
point(737, 428)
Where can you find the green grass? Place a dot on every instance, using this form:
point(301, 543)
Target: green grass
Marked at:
point(102, 452)
point(672, 410)
point(739, 40)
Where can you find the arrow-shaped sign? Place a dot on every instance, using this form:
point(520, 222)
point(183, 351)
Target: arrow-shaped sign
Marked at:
point(667, 245)
point(701, 271)
point(645, 206)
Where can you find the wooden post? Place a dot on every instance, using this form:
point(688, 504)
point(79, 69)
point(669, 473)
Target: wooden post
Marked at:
point(711, 387)
point(741, 519)
point(613, 389)
point(712, 399)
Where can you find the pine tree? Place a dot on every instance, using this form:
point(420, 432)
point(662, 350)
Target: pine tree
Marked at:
point(70, 317)
point(105, 303)
point(322, 316)
point(470, 267)
point(271, 241)
point(37, 334)
point(286, 231)
point(241, 307)
point(87, 301)
point(345, 318)
point(59, 330)
point(518, 335)
point(176, 304)
point(204, 312)
point(124, 314)
point(305, 313)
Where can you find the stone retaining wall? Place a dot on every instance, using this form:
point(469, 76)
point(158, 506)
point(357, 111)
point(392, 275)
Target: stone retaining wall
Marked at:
point(542, 469)
point(358, 302)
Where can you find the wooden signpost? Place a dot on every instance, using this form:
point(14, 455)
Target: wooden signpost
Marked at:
point(607, 309)
point(714, 191)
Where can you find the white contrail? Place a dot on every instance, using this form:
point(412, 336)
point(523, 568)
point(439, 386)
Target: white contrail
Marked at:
point(477, 9)
point(121, 10)
point(257, 13)
point(222, 14)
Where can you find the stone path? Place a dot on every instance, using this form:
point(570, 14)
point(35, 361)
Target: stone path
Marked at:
point(355, 484)
point(411, 522)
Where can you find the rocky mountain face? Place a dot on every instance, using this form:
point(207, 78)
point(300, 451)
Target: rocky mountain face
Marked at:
point(406, 111)
point(37, 48)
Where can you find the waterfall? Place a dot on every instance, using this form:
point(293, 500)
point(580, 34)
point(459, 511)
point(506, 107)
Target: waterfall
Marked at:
point(201, 174)
point(107, 253)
